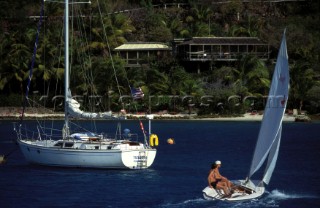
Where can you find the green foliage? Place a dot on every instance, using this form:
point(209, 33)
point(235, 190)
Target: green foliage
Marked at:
point(95, 72)
point(313, 99)
point(11, 100)
point(302, 80)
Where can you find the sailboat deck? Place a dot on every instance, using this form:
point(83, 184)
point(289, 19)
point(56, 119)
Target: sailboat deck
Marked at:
point(88, 145)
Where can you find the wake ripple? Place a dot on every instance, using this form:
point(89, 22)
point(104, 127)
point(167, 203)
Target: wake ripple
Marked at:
point(270, 199)
point(278, 195)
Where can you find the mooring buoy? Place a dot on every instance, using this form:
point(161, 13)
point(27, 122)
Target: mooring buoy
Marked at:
point(170, 141)
point(2, 159)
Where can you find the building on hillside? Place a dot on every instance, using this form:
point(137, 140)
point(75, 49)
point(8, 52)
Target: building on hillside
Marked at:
point(206, 51)
point(196, 54)
point(136, 54)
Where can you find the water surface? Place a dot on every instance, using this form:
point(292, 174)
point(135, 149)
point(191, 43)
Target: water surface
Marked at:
point(178, 174)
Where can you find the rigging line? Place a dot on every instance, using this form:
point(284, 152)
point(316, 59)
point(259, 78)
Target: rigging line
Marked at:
point(85, 58)
point(88, 78)
point(44, 63)
point(57, 70)
point(32, 62)
point(109, 50)
point(82, 44)
point(125, 72)
point(56, 60)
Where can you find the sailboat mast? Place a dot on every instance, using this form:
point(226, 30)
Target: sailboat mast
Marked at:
point(66, 66)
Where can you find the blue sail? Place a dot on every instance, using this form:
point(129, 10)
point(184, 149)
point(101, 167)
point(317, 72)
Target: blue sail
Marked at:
point(272, 159)
point(270, 131)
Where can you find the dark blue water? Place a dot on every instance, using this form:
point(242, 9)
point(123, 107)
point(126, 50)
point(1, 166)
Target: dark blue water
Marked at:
point(178, 174)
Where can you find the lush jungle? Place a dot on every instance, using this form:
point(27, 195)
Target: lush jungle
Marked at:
point(100, 79)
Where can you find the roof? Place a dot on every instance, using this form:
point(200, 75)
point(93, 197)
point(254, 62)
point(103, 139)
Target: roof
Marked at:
point(224, 41)
point(142, 47)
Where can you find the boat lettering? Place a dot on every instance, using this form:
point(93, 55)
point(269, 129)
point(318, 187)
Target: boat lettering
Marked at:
point(140, 158)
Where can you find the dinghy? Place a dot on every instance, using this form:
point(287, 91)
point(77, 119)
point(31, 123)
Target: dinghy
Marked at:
point(268, 143)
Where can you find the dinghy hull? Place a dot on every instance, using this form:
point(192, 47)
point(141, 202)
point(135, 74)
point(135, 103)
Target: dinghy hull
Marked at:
point(242, 193)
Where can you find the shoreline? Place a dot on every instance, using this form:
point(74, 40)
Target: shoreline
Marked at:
point(244, 117)
point(13, 113)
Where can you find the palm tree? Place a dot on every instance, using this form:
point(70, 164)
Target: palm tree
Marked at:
point(251, 76)
point(48, 68)
point(17, 61)
point(156, 81)
point(5, 44)
point(249, 28)
point(121, 27)
point(199, 20)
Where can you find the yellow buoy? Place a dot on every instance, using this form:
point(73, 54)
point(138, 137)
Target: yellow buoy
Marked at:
point(170, 141)
point(153, 140)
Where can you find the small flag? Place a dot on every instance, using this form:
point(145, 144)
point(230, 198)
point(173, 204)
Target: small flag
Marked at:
point(142, 128)
point(137, 93)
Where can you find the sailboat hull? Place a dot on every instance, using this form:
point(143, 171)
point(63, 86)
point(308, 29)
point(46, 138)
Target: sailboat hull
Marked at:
point(121, 157)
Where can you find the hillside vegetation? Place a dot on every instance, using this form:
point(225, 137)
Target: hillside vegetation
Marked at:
point(101, 26)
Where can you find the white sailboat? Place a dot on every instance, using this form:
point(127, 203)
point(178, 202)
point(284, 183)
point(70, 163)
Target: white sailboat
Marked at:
point(82, 149)
point(268, 142)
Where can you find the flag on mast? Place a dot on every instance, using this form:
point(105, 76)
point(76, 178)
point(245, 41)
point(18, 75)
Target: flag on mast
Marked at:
point(137, 93)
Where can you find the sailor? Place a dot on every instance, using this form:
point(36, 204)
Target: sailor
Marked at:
point(217, 181)
point(219, 176)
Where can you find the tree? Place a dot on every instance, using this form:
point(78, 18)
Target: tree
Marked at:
point(249, 28)
point(230, 11)
point(17, 62)
point(251, 76)
point(302, 80)
point(199, 21)
point(313, 99)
